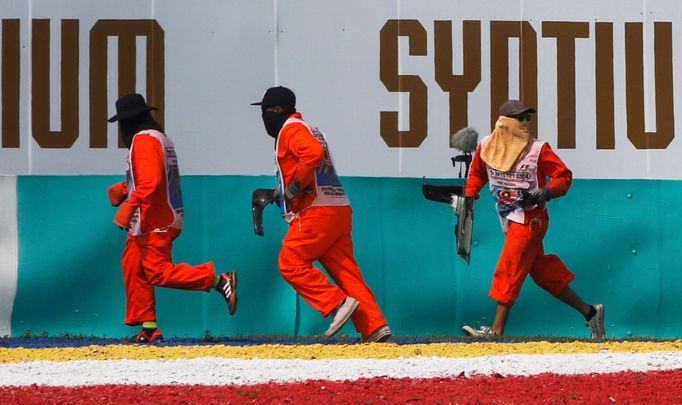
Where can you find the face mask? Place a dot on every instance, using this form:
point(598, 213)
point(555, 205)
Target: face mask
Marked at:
point(127, 131)
point(273, 122)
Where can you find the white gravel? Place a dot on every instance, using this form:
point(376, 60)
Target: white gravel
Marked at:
point(221, 371)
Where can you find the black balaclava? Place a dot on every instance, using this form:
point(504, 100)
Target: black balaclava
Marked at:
point(274, 121)
point(130, 126)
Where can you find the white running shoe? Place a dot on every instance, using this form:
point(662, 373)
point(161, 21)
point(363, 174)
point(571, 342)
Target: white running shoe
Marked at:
point(380, 335)
point(596, 323)
point(341, 315)
point(484, 331)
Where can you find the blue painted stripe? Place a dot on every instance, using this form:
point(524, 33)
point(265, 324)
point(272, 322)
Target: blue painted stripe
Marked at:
point(84, 341)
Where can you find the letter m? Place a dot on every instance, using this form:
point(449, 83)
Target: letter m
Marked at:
point(126, 32)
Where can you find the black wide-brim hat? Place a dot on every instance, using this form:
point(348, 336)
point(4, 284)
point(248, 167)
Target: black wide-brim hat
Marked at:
point(129, 106)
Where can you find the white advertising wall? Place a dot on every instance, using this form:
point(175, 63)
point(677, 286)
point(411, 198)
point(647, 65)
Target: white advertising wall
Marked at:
point(218, 56)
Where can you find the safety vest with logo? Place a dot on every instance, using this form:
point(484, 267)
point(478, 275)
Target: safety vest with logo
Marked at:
point(326, 187)
point(173, 193)
point(506, 187)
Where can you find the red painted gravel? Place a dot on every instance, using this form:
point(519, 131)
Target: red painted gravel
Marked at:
point(620, 388)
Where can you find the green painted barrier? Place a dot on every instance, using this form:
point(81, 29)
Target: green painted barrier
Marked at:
point(620, 237)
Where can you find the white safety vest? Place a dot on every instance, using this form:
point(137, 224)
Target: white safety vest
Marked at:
point(506, 187)
point(326, 184)
point(173, 192)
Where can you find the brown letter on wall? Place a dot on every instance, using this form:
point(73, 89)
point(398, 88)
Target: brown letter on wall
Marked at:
point(459, 86)
point(500, 32)
point(10, 83)
point(605, 122)
point(125, 31)
point(388, 72)
point(634, 86)
point(40, 85)
point(565, 34)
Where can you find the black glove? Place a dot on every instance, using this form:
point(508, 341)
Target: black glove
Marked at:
point(535, 197)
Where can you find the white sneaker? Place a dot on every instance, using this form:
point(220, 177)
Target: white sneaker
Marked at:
point(341, 316)
point(596, 323)
point(380, 335)
point(485, 331)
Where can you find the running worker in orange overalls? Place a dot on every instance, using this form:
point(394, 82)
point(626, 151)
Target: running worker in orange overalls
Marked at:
point(313, 202)
point(517, 166)
point(151, 210)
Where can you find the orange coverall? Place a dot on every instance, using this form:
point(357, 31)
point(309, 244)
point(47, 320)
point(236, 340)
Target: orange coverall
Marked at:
point(147, 260)
point(320, 233)
point(523, 252)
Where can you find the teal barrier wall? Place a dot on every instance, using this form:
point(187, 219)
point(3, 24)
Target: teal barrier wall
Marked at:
point(620, 238)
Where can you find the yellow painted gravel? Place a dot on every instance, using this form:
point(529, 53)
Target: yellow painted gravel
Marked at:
point(319, 351)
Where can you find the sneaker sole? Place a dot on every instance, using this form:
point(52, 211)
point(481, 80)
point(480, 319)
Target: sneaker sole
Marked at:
point(136, 340)
point(233, 280)
point(603, 323)
point(469, 331)
point(379, 339)
point(337, 328)
point(477, 334)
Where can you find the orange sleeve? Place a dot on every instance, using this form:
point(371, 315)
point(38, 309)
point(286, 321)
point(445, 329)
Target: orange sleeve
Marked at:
point(551, 165)
point(148, 168)
point(309, 152)
point(117, 193)
point(478, 176)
